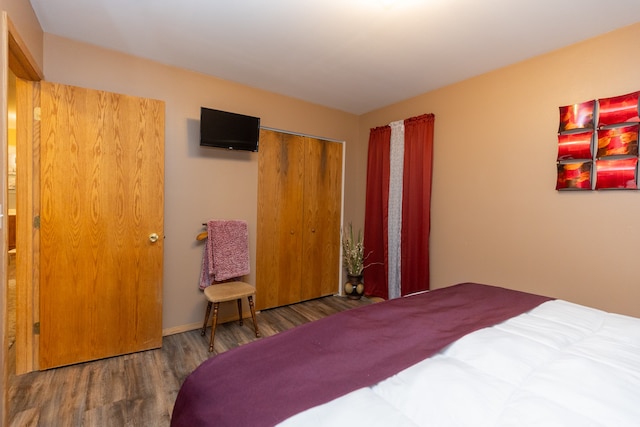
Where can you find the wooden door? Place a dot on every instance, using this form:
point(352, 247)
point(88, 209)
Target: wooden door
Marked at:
point(299, 210)
point(322, 209)
point(279, 235)
point(102, 197)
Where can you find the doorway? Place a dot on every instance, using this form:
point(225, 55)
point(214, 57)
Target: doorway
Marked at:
point(11, 220)
point(22, 65)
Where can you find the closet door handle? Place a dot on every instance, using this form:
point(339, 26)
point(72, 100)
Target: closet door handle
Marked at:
point(153, 237)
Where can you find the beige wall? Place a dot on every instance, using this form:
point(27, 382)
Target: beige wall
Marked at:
point(25, 21)
point(200, 183)
point(496, 217)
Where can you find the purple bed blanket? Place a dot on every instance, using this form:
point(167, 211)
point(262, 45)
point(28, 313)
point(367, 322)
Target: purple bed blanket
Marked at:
point(269, 380)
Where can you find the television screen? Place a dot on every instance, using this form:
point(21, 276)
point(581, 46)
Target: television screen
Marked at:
point(232, 131)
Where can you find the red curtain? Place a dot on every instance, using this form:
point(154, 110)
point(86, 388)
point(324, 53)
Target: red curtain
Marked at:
point(416, 203)
point(376, 213)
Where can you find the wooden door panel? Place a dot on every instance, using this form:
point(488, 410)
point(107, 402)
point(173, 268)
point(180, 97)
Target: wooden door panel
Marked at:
point(102, 183)
point(322, 209)
point(279, 236)
point(299, 212)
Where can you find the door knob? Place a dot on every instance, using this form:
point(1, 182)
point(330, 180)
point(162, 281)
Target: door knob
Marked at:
point(153, 237)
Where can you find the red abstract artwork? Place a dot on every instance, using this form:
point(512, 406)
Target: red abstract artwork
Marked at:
point(620, 141)
point(618, 173)
point(619, 109)
point(576, 116)
point(605, 156)
point(574, 176)
point(575, 146)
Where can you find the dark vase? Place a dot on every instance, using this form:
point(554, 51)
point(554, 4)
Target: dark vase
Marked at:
point(354, 288)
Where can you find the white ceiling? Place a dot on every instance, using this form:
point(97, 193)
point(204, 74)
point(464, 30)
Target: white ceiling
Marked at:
point(352, 55)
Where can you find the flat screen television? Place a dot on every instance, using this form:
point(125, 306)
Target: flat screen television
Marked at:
point(232, 131)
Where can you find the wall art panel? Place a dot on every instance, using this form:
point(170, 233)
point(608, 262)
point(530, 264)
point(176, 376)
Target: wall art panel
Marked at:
point(619, 109)
point(618, 141)
point(577, 116)
point(575, 146)
point(617, 174)
point(574, 176)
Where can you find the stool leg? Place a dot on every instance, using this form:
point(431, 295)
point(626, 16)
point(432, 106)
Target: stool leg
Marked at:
point(240, 310)
point(213, 326)
point(206, 317)
point(253, 315)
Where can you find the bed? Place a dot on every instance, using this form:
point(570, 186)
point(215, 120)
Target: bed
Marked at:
point(465, 355)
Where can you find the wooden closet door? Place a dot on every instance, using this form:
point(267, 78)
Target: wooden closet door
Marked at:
point(322, 208)
point(299, 209)
point(279, 235)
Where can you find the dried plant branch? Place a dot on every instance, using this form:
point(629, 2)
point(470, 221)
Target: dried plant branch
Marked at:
point(353, 258)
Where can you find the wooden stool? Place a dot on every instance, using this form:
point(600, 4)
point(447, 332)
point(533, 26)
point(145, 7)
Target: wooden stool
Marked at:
point(227, 291)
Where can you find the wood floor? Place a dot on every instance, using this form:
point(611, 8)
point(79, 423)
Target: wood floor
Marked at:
point(140, 389)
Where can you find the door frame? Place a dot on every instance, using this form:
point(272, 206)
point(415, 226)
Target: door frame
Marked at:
point(16, 56)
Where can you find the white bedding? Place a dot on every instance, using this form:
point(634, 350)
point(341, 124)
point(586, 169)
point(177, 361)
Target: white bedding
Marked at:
point(560, 364)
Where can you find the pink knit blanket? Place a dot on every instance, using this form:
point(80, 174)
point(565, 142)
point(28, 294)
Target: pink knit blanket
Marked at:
point(226, 251)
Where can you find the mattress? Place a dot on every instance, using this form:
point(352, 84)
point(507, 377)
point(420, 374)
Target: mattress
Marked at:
point(560, 364)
